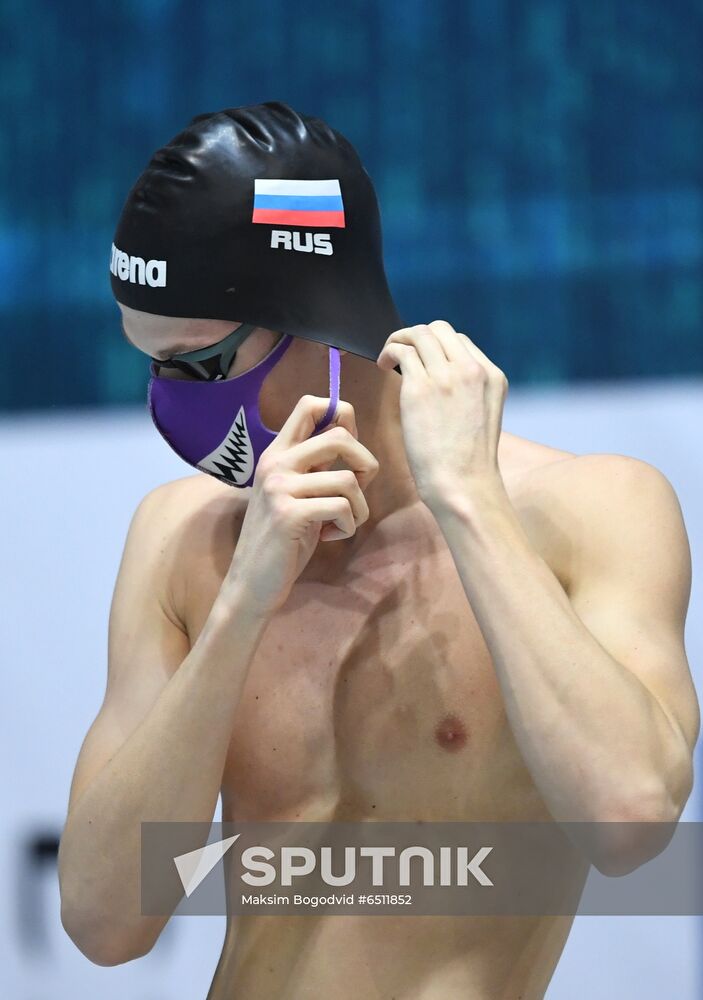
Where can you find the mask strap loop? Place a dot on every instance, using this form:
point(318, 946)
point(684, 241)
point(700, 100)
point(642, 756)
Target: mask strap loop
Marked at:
point(335, 380)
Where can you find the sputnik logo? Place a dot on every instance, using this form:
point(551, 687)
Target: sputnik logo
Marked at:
point(195, 866)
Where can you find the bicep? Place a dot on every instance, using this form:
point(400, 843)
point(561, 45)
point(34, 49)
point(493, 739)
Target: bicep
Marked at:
point(146, 643)
point(632, 580)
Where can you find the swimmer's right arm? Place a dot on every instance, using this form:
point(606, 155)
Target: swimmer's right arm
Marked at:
point(157, 749)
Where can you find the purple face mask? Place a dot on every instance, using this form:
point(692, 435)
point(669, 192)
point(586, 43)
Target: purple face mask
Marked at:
point(217, 426)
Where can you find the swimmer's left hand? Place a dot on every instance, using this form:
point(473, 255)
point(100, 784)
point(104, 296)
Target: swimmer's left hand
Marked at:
point(451, 408)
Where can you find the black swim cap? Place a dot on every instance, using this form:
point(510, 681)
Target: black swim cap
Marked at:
point(258, 215)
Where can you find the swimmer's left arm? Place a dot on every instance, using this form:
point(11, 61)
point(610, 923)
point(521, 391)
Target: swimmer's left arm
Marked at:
point(596, 684)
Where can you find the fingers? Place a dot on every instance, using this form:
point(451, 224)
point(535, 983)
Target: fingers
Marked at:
point(295, 474)
point(342, 483)
point(306, 415)
point(457, 345)
point(333, 509)
point(403, 355)
point(427, 350)
point(329, 446)
point(417, 348)
point(453, 342)
point(331, 499)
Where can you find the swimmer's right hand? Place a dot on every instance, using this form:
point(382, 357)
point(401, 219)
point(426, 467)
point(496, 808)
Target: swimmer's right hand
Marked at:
point(297, 501)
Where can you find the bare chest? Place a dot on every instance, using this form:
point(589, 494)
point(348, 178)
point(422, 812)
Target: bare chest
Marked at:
point(372, 695)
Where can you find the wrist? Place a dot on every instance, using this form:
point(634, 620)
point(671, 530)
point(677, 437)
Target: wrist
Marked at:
point(236, 601)
point(467, 497)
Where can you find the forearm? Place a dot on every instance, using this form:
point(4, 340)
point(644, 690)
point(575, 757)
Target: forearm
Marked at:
point(168, 770)
point(560, 686)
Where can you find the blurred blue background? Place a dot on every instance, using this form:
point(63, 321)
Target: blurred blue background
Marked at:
point(538, 164)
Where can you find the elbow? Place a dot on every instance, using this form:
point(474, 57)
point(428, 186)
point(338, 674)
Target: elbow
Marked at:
point(624, 847)
point(101, 944)
point(634, 831)
point(101, 932)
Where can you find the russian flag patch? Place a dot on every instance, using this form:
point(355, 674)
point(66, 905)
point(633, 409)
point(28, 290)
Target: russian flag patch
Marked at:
point(298, 203)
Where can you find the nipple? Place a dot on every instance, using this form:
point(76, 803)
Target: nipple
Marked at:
point(450, 733)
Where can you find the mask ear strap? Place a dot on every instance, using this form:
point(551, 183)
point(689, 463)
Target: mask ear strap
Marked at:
point(335, 380)
point(236, 341)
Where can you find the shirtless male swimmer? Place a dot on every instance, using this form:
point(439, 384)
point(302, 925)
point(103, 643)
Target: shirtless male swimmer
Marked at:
point(410, 615)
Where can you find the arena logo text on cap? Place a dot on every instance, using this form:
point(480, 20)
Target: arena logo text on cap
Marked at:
point(137, 270)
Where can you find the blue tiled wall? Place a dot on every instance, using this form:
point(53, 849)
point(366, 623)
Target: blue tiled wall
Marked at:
point(539, 167)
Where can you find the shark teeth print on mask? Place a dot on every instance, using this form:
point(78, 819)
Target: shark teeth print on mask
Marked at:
point(233, 460)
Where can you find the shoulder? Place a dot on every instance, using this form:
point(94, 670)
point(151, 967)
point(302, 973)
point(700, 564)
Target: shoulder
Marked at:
point(624, 522)
point(176, 503)
point(603, 479)
point(601, 483)
point(191, 513)
point(180, 524)
point(625, 502)
point(585, 511)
